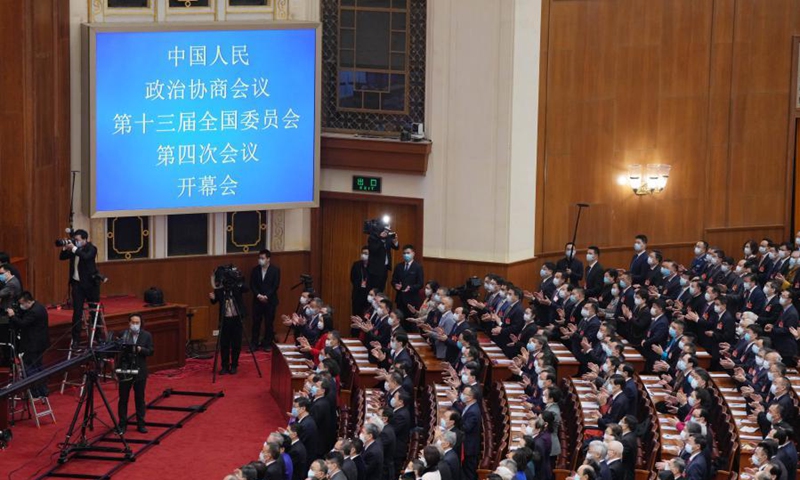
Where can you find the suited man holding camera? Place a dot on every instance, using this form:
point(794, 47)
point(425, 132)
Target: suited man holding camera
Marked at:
point(32, 325)
point(83, 277)
point(379, 263)
point(142, 342)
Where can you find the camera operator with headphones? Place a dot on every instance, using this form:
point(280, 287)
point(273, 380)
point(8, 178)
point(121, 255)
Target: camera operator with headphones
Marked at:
point(228, 293)
point(135, 360)
point(83, 276)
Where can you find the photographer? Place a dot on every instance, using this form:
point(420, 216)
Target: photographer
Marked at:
point(265, 279)
point(232, 313)
point(35, 338)
point(136, 360)
point(381, 243)
point(83, 277)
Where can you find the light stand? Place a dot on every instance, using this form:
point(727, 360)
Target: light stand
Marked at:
point(581, 206)
point(67, 304)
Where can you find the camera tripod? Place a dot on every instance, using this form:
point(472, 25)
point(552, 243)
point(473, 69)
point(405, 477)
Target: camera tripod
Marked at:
point(227, 295)
point(87, 405)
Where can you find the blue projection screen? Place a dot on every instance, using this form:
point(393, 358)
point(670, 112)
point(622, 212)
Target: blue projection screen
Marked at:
point(202, 118)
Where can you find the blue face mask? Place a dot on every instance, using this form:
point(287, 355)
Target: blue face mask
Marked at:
point(693, 382)
point(607, 281)
point(665, 271)
point(460, 345)
point(684, 282)
point(623, 284)
point(314, 390)
point(407, 257)
point(672, 332)
point(295, 413)
point(747, 338)
point(463, 397)
point(531, 347)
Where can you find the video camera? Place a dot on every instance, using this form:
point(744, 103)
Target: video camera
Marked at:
point(467, 291)
point(376, 226)
point(227, 277)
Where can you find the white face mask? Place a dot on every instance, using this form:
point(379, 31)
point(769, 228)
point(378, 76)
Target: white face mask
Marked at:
point(136, 328)
point(441, 307)
point(698, 250)
point(262, 261)
point(364, 257)
point(653, 311)
point(428, 292)
point(590, 257)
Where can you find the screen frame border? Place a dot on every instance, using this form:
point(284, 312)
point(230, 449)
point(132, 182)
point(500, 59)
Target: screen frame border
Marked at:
point(89, 122)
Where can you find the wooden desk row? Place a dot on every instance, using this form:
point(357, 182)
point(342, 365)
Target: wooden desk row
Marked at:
point(289, 373)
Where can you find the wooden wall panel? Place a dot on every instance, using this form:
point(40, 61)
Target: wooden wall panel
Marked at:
point(34, 138)
point(700, 84)
point(187, 281)
point(337, 239)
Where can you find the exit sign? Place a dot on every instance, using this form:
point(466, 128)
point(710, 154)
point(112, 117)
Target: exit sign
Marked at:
point(366, 184)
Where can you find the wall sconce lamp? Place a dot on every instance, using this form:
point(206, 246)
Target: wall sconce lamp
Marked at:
point(648, 179)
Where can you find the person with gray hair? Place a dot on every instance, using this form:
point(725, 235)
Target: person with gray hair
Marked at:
point(377, 421)
point(450, 457)
point(614, 460)
point(598, 450)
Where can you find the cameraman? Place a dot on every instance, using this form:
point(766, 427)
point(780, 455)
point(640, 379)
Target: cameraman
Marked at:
point(265, 279)
point(380, 245)
point(35, 338)
point(143, 348)
point(231, 311)
point(83, 277)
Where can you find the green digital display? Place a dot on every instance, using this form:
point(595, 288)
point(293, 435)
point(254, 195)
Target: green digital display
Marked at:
point(366, 184)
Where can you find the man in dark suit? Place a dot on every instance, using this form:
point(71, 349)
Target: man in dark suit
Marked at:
point(297, 452)
point(321, 412)
point(309, 434)
point(630, 444)
point(657, 333)
point(787, 451)
point(570, 264)
point(380, 246)
point(398, 354)
point(472, 426)
point(407, 280)
point(271, 453)
point(782, 339)
point(511, 321)
point(142, 343)
point(451, 457)
point(401, 421)
point(83, 277)
point(752, 296)
point(373, 451)
point(10, 289)
point(389, 441)
point(357, 455)
point(671, 288)
point(614, 461)
point(618, 401)
point(697, 463)
point(639, 266)
point(348, 465)
point(334, 461)
point(32, 326)
point(265, 279)
point(359, 281)
point(594, 273)
point(231, 315)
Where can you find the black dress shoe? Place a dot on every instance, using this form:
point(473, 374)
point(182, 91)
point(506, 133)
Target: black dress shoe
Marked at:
point(233, 370)
point(223, 371)
point(141, 429)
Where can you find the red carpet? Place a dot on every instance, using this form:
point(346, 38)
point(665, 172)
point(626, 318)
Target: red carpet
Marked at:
point(209, 446)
